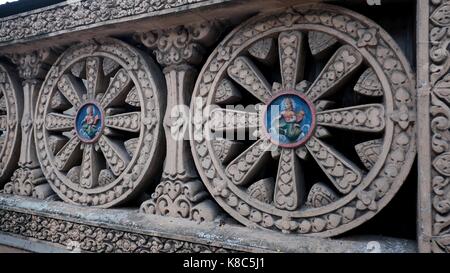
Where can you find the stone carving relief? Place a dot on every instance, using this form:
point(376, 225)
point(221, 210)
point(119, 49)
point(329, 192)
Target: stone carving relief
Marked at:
point(98, 123)
point(351, 189)
point(11, 108)
point(180, 192)
point(95, 239)
point(438, 109)
point(75, 14)
point(28, 179)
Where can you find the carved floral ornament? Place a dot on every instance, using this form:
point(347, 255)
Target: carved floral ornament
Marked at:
point(338, 163)
point(79, 13)
point(439, 109)
point(98, 123)
point(11, 107)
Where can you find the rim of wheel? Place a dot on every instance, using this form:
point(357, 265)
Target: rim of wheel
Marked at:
point(98, 123)
point(11, 107)
point(361, 60)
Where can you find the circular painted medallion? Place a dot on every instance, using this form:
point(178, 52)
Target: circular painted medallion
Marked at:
point(289, 120)
point(89, 122)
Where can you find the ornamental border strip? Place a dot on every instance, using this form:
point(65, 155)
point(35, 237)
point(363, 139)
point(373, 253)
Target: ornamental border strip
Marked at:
point(86, 14)
point(433, 76)
point(94, 239)
point(138, 227)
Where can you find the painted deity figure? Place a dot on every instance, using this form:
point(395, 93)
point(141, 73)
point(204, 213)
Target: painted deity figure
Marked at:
point(90, 122)
point(289, 120)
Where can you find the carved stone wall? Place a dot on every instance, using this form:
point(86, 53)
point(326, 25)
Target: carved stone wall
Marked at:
point(170, 111)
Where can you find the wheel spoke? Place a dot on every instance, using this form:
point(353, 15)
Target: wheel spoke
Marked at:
point(289, 186)
point(2, 102)
point(3, 122)
point(90, 167)
point(130, 122)
point(117, 88)
point(340, 67)
point(59, 122)
point(72, 89)
point(229, 120)
point(341, 171)
point(244, 72)
point(291, 52)
point(68, 155)
point(363, 118)
point(243, 168)
point(115, 155)
point(94, 76)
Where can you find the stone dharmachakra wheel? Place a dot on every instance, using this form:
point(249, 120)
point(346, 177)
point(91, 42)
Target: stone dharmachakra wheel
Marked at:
point(11, 107)
point(98, 123)
point(333, 122)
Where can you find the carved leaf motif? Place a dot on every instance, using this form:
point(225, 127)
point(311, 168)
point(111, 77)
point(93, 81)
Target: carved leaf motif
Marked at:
point(105, 177)
point(442, 164)
point(263, 50)
point(369, 84)
point(441, 16)
point(133, 98)
point(59, 102)
point(369, 151)
point(74, 174)
point(227, 93)
point(262, 190)
point(442, 88)
point(320, 195)
point(131, 145)
point(56, 142)
point(320, 42)
point(226, 150)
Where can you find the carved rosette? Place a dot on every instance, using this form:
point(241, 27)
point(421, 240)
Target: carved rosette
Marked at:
point(11, 107)
point(354, 155)
point(98, 123)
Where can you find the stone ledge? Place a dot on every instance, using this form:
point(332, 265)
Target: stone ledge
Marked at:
point(126, 230)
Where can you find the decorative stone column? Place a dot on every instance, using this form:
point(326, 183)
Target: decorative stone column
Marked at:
point(28, 179)
point(180, 192)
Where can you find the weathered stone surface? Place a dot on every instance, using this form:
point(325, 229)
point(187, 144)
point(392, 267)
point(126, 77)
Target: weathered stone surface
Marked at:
point(362, 194)
point(180, 234)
